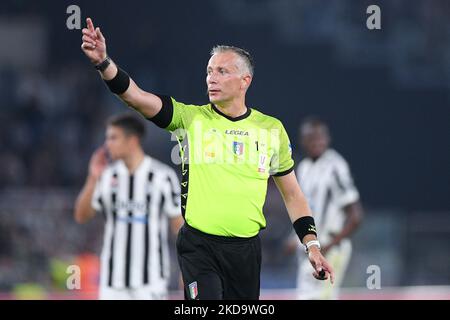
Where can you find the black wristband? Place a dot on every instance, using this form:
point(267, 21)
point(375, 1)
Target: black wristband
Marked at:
point(303, 226)
point(103, 65)
point(120, 83)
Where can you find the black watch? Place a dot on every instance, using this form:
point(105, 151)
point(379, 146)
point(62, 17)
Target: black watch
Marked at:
point(103, 65)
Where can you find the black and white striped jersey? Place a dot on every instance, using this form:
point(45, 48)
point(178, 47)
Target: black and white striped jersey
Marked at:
point(328, 185)
point(136, 207)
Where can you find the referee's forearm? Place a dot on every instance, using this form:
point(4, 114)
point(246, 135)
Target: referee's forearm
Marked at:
point(293, 197)
point(110, 72)
point(121, 84)
point(297, 206)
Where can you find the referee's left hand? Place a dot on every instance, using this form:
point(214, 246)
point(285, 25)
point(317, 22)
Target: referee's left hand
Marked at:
point(322, 269)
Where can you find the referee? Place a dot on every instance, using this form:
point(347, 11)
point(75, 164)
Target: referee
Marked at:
point(229, 152)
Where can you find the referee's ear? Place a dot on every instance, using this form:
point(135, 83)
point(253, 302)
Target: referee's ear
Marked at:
point(246, 81)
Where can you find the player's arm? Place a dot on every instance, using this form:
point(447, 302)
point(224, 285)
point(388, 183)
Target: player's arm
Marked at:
point(83, 208)
point(299, 212)
point(172, 206)
point(175, 224)
point(94, 46)
point(354, 214)
point(347, 196)
point(84, 211)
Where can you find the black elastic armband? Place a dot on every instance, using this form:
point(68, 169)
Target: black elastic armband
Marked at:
point(164, 117)
point(303, 226)
point(120, 83)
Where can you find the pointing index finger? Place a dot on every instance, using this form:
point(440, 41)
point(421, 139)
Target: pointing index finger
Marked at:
point(90, 25)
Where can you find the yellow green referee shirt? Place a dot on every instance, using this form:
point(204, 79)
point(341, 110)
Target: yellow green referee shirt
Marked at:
point(226, 163)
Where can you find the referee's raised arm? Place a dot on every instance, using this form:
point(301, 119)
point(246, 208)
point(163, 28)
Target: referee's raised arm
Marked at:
point(118, 81)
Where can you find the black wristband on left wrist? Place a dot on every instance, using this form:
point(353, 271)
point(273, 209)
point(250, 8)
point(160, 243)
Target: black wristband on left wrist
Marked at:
point(303, 226)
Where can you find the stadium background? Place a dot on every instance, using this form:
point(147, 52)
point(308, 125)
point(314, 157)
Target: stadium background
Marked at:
point(385, 94)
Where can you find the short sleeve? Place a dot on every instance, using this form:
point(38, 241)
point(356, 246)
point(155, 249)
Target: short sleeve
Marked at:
point(171, 190)
point(173, 114)
point(344, 188)
point(281, 162)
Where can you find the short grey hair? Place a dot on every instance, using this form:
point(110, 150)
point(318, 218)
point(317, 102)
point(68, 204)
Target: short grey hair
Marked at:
point(243, 54)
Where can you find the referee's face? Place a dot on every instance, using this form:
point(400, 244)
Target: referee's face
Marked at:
point(224, 78)
point(117, 142)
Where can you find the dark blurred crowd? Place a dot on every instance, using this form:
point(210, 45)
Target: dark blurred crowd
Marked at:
point(49, 123)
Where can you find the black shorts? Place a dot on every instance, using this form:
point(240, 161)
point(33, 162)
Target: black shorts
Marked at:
point(216, 268)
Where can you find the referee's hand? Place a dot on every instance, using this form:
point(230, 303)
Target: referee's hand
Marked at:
point(322, 269)
point(98, 162)
point(94, 43)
